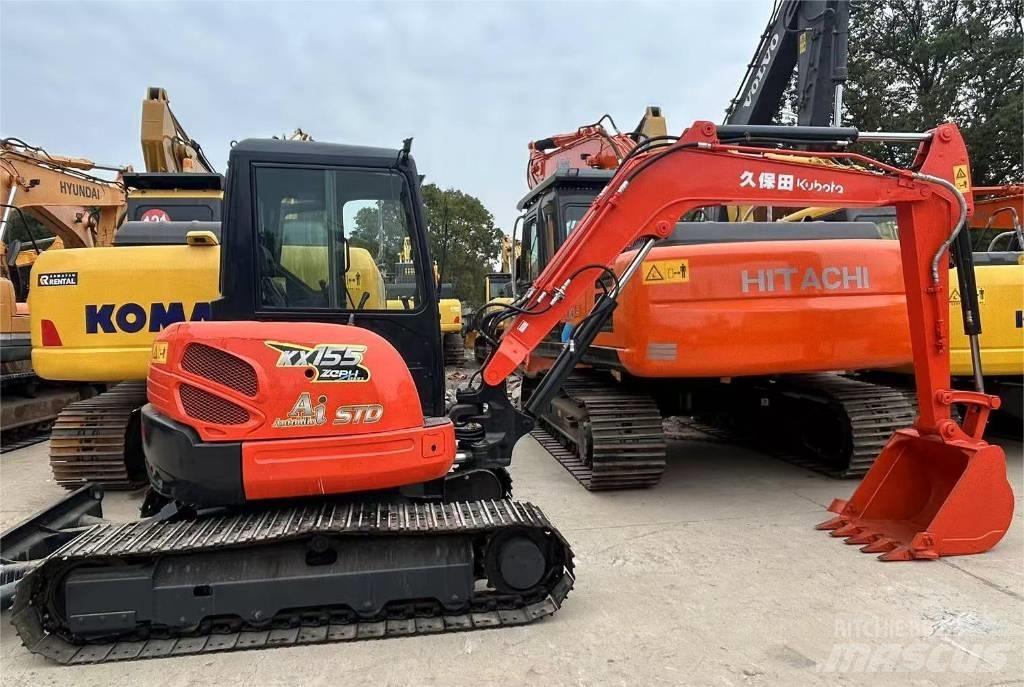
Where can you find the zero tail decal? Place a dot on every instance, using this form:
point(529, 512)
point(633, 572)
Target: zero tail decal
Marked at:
point(327, 362)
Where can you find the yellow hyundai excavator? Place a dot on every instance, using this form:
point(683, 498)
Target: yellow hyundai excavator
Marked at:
point(499, 289)
point(47, 202)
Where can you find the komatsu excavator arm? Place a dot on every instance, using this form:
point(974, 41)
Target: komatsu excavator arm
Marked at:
point(166, 147)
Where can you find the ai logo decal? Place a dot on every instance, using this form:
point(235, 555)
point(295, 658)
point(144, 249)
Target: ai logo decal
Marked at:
point(325, 362)
point(304, 413)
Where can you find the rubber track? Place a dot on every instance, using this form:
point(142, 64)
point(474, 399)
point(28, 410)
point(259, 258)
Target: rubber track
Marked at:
point(146, 539)
point(88, 439)
point(627, 440)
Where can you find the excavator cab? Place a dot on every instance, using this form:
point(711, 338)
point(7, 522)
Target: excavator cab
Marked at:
point(304, 355)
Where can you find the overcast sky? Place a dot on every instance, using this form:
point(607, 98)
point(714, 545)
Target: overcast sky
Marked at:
point(472, 82)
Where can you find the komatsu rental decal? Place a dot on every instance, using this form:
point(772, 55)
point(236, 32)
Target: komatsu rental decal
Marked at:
point(328, 362)
point(131, 318)
point(793, 279)
point(58, 279)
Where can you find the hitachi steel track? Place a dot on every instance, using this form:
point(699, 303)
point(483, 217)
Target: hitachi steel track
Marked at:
point(147, 589)
point(607, 438)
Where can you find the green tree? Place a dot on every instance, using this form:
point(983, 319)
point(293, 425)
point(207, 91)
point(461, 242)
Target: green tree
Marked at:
point(917, 63)
point(463, 240)
point(460, 230)
point(384, 239)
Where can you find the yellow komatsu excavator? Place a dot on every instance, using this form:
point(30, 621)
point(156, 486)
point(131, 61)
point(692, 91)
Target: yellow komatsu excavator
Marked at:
point(100, 326)
point(449, 308)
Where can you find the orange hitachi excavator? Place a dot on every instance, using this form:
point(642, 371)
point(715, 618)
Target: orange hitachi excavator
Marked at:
point(739, 323)
point(320, 490)
point(736, 322)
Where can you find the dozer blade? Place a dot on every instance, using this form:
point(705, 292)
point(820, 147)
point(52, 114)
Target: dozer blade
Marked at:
point(925, 497)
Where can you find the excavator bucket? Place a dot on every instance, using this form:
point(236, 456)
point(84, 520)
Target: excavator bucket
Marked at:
point(925, 497)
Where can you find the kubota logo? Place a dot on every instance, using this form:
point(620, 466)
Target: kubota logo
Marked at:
point(324, 362)
point(130, 318)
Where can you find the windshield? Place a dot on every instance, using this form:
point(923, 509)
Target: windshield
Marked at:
point(333, 238)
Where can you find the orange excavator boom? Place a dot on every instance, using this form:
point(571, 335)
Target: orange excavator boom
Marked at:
point(592, 146)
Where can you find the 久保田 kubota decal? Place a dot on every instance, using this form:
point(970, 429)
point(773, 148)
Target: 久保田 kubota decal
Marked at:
point(329, 362)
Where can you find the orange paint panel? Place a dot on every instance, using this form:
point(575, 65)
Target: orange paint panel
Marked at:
point(760, 308)
point(344, 464)
point(312, 379)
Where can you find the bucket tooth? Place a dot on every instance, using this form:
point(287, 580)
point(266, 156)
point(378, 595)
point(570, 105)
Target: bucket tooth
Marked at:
point(880, 545)
point(847, 530)
point(862, 538)
point(900, 553)
point(831, 524)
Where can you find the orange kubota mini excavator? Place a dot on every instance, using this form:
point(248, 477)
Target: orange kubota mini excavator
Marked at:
point(322, 491)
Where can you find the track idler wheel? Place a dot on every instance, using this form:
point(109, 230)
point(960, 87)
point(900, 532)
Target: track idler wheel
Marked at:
point(516, 562)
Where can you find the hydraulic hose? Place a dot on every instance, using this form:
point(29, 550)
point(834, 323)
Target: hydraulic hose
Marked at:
point(961, 220)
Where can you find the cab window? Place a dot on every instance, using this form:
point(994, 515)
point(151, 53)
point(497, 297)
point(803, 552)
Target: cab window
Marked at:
point(333, 238)
point(530, 258)
point(551, 237)
point(572, 216)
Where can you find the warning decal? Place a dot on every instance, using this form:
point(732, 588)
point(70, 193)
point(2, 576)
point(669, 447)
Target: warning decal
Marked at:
point(954, 296)
point(666, 271)
point(961, 178)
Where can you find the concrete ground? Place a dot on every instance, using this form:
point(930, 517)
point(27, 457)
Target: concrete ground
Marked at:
point(715, 577)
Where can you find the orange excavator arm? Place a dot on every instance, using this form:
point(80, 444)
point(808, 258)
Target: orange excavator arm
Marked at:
point(590, 146)
point(710, 166)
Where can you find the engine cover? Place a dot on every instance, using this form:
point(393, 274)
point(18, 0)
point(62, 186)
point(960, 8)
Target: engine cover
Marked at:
point(275, 380)
point(296, 409)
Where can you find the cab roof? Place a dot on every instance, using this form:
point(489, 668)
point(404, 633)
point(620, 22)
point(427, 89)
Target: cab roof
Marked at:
point(573, 177)
point(313, 151)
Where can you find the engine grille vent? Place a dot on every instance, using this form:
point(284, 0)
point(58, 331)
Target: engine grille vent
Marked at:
point(221, 367)
point(202, 405)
